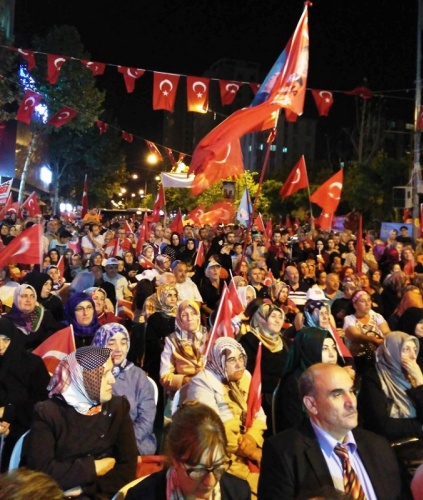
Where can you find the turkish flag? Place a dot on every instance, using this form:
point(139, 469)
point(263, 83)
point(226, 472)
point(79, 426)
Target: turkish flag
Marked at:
point(26, 248)
point(200, 258)
point(29, 102)
point(96, 68)
point(323, 100)
point(56, 347)
point(29, 57)
point(222, 326)
point(129, 76)
point(61, 265)
point(177, 226)
point(84, 203)
point(102, 127)
point(7, 206)
point(269, 279)
point(158, 204)
point(62, 117)
point(198, 94)
point(327, 196)
point(154, 150)
point(124, 309)
point(142, 235)
point(254, 392)
point(228, 91)
point(54, 65)
point(290, 116)
point(165, 86)
point(269, 230)
point(258, 221)
point(195, 214)
point(220, 212)
point(363, 92)
point(296, 180)
point(31, 205)
point(255, 87)
point(126, 136)
point(171, 157)
point(234, 300)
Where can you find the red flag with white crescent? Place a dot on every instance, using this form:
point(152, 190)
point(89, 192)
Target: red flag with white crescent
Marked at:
point(29, 57)
point(31, 205)
point(26, 248)
point(297, 179)
point(61, 265)
point(84, 210)
point(29, 102)
point(142, 235)
point(126, 136)
point(62, 117)
point(198, 94)
point(328, 195)
point(54, 65)
point(158, 204)
point(165, 86)
point(154, 150)
point(254, 392)
point(323, 100)
point(129, 76)
point(233, 298)
point(258, 221)
point(177, 225)
point(96, 68)
point(56, 347)
point(228, 91)
point(200, 258)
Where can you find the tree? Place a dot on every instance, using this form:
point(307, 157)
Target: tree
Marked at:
point(76, 88)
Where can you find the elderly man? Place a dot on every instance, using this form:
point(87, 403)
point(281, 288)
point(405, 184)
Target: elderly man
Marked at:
point(329, 449)
point(187, 289)
point(120, 283)
point(297, 290)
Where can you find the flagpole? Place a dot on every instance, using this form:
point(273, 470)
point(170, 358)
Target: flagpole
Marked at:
point(311, 210)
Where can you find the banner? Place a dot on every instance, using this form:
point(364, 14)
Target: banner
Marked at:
point(177, 180)
point(4, 191)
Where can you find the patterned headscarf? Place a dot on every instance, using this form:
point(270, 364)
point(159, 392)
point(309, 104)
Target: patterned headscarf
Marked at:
point(103, 336)
point(162, 293)
point(259, 326)
point(394, 383)
point(77, 379)
point(71, 304)
point(312, 312)
point(27, 322)
point(222, 349)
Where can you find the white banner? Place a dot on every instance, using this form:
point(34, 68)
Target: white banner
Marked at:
point(177, 180)
point(4, 191)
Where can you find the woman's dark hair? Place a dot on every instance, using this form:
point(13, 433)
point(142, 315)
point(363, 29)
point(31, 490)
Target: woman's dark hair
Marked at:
point(196, 428)
point(252, 307)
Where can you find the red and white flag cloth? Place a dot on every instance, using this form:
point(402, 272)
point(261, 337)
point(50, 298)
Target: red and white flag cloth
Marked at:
point(102, 126)
point(165, 86)
point(158, 204)
point(268, 232)
point(96, 68)
point(258, 221)
point(29, 102)
point(296, 180)
point(176, 180)
point(328, 195)
point(200, 258)
point(5, 188)
point(127, 227)
point(323, 100)
point(56, 347)
point(177, 225)
point(198, 94)
point(254, 399)
point(31, 205)
point(126, 136)
point(222, 211)
point(228, 91)
point(363, 92)
point(325, 221)
point(62, 117)
point(61, 265)
point(269, 279)
point(124, 309)
point(54, 65)
point(26, 248)
point(129, 76)
point(142, 235)
point(195, 215)
point(222, 326)
point(233, 298)
point(145, 263)
point(172, 160)
point(29, 57)
point(154, 150)
point(84, 210)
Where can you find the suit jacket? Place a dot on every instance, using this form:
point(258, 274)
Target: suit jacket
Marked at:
point(154, 486)
point(293, 463)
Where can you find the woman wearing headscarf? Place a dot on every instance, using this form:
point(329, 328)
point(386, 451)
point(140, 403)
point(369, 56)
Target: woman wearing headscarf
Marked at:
point(30, 317)
point(175, 247)
point(96, 259)
point(224, 385)
point(82, 436)
point(266, 328)
point(189, 253)
point(159, 325)
point(411, 322)
point(131, 267)
point(23, 382)
point(182, 357)
point(131, 382)
point(103, 306)
point(390, 400)
point(43, 285)
point(311, 345)
point(80, 313)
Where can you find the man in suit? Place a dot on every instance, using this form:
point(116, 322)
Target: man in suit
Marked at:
point(303, 459)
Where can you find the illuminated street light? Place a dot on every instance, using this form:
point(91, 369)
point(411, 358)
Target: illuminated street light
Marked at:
point(152, 159)
point(135, 176)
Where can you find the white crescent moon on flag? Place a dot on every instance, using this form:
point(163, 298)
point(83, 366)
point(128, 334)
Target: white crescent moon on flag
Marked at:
point(297, 177)
point(335, 185)
point(168, 82)
point(231, 86)
point(30, 202)
point(325, 94)
point(199, 84)
point(31, 100)
point(54, 354)
point(23, 52)
point(63, 115)
point(24, 246)
point(228, 152)
point(129, 73)
point(93, 65)
point(58, 60)
point(225, 214)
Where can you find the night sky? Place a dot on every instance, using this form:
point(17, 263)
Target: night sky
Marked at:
point(349, 40)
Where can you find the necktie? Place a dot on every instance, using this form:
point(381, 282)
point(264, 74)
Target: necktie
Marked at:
point(352, 484)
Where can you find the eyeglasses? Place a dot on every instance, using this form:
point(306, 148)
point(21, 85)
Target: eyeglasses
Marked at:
point(82, 308)
point(233, 360)
point(199, 473)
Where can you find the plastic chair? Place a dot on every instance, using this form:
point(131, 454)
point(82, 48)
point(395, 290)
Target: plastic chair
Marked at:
point(156, 389)
point(15, 458)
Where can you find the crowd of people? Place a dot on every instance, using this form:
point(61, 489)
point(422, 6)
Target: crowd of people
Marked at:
point(337, 333)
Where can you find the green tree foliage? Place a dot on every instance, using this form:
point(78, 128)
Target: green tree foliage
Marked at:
point(10, 90)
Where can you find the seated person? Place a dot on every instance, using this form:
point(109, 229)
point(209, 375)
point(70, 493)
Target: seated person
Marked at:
point(83, 436)
point(198, 461)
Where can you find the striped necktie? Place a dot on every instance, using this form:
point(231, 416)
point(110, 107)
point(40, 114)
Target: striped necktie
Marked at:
point(352, 484)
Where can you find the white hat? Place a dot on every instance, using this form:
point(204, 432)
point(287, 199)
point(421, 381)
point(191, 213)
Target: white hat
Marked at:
point(212, 263)
point(112, 261)
point(316, 293)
